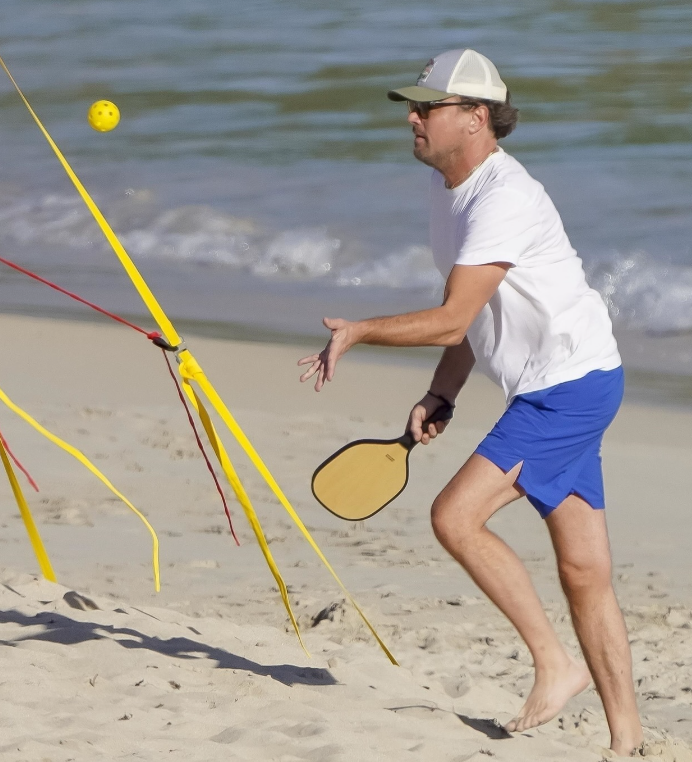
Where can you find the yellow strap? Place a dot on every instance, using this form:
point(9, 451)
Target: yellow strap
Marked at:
point(190, 370)
point(86, 462)
point(244, 501)
point(31, 529)
point(173, 338)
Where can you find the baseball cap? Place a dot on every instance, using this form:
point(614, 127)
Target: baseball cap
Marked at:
point(456, 72)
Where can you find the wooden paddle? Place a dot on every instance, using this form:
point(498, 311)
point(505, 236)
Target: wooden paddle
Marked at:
point(363, 477)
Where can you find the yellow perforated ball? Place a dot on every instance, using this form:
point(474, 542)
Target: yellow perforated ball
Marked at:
point(103, 116)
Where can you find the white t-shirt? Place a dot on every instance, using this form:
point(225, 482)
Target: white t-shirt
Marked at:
point(544, 325)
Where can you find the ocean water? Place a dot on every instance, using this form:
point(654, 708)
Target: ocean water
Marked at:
point(261, 179)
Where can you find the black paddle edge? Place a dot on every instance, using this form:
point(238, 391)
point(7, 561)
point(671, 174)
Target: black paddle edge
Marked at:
point(346, 447)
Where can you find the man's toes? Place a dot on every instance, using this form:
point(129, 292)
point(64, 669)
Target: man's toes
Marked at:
point(524, 723)
point(513, 725)
point(531, 721)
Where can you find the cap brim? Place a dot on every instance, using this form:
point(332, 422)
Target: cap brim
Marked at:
point(416, 93)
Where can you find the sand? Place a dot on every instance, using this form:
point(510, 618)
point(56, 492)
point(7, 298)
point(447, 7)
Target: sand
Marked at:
point(101, 667)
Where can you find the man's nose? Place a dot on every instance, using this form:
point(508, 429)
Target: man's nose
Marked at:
point(413, 118)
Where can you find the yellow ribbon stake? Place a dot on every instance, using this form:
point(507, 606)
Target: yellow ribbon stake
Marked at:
point(75, 453)
point(31, 529)
point(191, 370)
point(244, 500)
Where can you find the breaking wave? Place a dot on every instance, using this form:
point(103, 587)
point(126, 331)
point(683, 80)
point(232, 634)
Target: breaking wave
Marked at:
point(642, 293)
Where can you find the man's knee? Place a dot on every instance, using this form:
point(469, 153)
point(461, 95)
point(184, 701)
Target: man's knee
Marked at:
point(464, 506)
point(440, 518)
point(584, 573)
point(452, 520)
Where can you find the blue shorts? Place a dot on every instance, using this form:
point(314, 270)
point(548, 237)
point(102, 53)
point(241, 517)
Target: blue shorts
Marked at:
point(557, 433)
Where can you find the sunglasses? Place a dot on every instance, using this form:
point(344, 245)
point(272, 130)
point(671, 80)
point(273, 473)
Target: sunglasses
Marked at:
point(423, 108)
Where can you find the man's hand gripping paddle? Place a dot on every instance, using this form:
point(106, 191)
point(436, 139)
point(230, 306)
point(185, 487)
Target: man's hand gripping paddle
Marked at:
point(363, 477)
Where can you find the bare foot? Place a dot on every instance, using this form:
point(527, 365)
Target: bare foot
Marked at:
point(550, 693)
point(632, 746)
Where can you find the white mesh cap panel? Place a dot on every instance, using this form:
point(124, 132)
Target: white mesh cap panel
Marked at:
point(466, 72)
point(470, 69)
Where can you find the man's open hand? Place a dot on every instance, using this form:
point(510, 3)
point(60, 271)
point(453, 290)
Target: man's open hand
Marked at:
point(344, 336)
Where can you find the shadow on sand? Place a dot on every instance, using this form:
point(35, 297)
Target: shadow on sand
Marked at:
point(489, 727)
point(61, 629)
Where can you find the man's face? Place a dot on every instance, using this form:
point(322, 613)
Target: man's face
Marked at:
point(443, 133)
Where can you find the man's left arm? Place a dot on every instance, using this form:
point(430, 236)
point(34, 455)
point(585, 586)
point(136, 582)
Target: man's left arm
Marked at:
point(468, 290)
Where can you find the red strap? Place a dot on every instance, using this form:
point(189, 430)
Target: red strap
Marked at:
point(76, 297)
point(18, 464)
point(150, 335)
point(201, 446)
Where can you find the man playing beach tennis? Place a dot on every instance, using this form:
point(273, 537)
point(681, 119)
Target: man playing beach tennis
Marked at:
point(516, 302)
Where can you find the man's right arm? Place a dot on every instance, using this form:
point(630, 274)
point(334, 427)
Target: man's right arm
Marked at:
point(452, 371)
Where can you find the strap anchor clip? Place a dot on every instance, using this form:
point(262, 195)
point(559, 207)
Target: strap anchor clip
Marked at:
point(160, 342)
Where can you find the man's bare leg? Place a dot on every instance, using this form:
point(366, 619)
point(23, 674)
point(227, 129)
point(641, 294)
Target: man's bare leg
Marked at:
point(459, 515)
point(580, 539)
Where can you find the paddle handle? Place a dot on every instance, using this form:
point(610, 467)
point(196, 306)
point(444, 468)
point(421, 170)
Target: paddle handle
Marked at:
point(443, 413)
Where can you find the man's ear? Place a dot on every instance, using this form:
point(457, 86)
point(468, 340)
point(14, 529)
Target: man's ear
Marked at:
point(480, 119)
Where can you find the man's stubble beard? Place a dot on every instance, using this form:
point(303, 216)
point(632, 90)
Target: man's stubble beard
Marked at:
point(428, 159)
point(424, 158)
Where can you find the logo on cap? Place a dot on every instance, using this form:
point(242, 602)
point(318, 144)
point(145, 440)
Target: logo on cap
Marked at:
point(426, 72)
